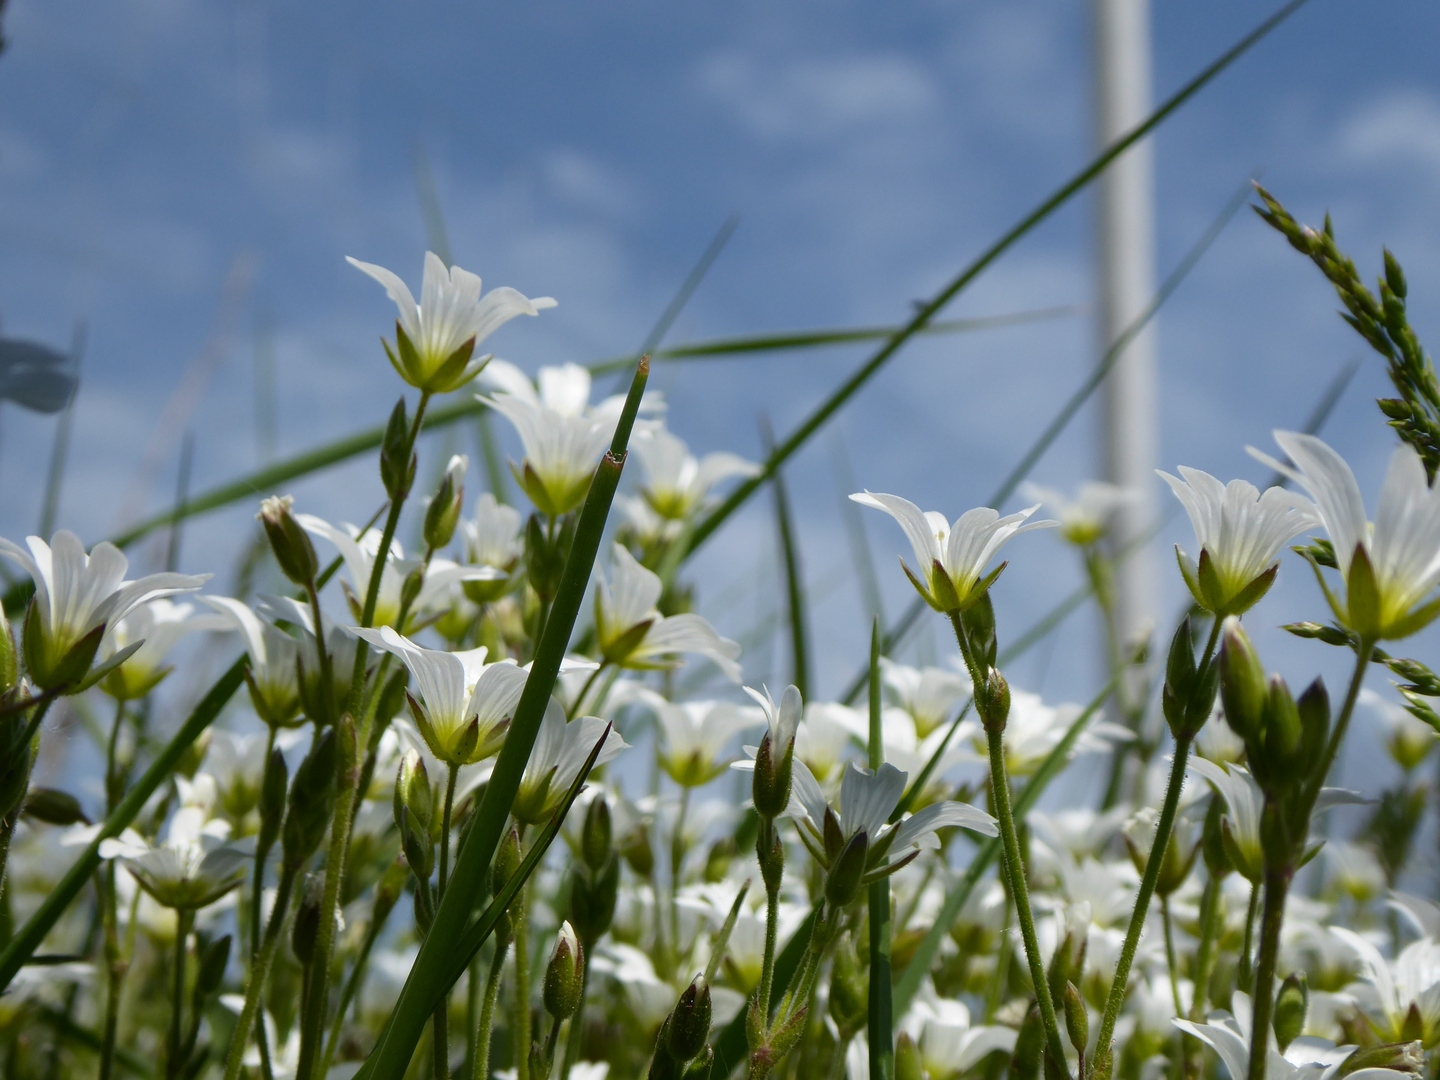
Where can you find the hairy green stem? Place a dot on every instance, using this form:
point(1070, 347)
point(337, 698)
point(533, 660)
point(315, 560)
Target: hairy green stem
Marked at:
point(480, 1064)
point(520, 914)
point(576, 1029)
point(259, 972)
point(1245, 974)
point(174, 1045)
point(1277, 885)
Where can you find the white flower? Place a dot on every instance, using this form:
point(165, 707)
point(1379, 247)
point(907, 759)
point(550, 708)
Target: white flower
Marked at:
point(464, 705)
point(953, 558)
point(694, 735)
point(79, 599)
point(1408, 738)
point(1240, 532)
point(1244, 802)
point(829, 735)
point(676, 482)
point(194, 866)
point(631, 631)
point(157, 626)
point(1401, 999)
point(1034, 728)
point(949, 1045)
point(866, 802)
point(1306, 1058)
point(359, 550)
point(436, 339)
point(1390, 567)
point(562, 435)
point(273, 677)
point(1085, 518)
point(930, 695)
point(492, 539)
point(559, 754)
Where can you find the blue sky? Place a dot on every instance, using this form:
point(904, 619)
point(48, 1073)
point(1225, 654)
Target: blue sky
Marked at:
point(151, 152)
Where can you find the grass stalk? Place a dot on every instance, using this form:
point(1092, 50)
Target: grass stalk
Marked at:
point(879, 1014)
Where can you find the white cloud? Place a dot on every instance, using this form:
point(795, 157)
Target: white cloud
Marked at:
point(1402, 127)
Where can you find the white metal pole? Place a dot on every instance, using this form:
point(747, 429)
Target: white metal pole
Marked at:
point(1125, 251)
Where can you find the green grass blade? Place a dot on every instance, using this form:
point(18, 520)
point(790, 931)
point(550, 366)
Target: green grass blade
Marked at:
point(433, 966)
point(787, 340)
point(27, 939)
point(684, 293)
point(910, 979)
point(859, 541)
point(880, 1020)
point(794, 585)
point(923, 317)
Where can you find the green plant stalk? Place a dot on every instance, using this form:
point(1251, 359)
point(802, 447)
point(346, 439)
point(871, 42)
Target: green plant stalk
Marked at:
point(259, 972)
point(351, 988)
point(174, 1045)
point(1245, 974)
point(880, 1021)
point(442, 1010)
point(472, 862)
point(1013, 865)
point(576, 1029)
point(480, 1064)
point(28, 938)
point(926, 314)
point(772, 925)
point(1170, 960)
point(794, 585)
point(1277, 885)
point(114, 967)
point(1211, 918)
point(521, 921)
point(1116, 999)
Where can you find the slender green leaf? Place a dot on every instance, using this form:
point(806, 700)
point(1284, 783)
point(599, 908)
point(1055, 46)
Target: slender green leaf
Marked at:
point(683, 294)
point(915, 970)
point(859, 540)
point(431, 974)
point(794, 585)
point(927, 312)
point(815, 339)
point(880, 1020)
point(28, 938)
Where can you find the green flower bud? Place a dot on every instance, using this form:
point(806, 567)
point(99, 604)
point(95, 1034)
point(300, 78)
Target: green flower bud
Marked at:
point(1077, 1019)
point(273, 783)
point(592, 901)
point(306, 930)
point(636, 850)
point(1291, 1004)
point(1029, 1047)
point(979, 622)
point(842, 884)
point(414, 793)
point(908, 1065)
point(312, 798)
point(1281, 735)
point(417, 845)
point(770, 853)
point(1403, 1057)
point(291, 544)
point(701, 1067)
point(689, 1025)
point(389, 890)
point(543, 562)
point(9, 655)
point(1180, 662)
point(1314, 710)
point(770, 783)
point(565, 975)
point(1212, 841)
point(848, 992)
point(16, 757)
point(992, 701)
point(718, 859)
point(443, 513)
point(397, 470)
point(1242, 682)
point(53, 807)
point(214, 956)
point(595, 833)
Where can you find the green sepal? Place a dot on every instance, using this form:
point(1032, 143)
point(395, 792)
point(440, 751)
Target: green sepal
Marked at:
point(1362, 597)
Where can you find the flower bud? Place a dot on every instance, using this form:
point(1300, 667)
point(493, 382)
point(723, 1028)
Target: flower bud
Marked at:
point(291, 544)
point(410, 588)
point(1291, 1004)
point(16, 757)
point(979, 622)
point(543, 562)
point(312, 797)
point(1314, 710)
point(505, 866)
point(1077, 1020)
point(306, 929)
point(595, 835)
point(848, 993)
point(413, 791)
point(636, 850)
point(273, 783)
point(770, 783)
point(1212, 841)
point(417, 845)
point(592, 901)
point(992, 701)
point(214, 956)
point(701, 1067)
point(908, 1065)
point(443, 513)
point(424, 908)
point(397, 469)
point(53, 807)
point(389, 890)
point(9, 656)
point(1403, 1057)
point(565, 975)
point(718, 859)
point(689, 1026)
point(842, 884)
point(1242, 682)
point(1281, 734)
point(1029, 1047)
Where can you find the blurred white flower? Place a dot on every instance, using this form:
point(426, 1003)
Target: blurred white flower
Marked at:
point(930, 695)
point(695, 734)
point(192, 868)
point(272, 675)
point(559, 754)
point(1400, 998)
point(676, 482)
point(157, 626)
point(1085, 518)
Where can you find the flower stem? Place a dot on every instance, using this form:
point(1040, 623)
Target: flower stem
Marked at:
point(1116, 999)
point(481, 1061)
point(351, 988)
point(585, 690)
point(521, 916)
point(1277, 884)
point(677, 856)
point(175, 1043)
point(576, 1029)
point(772, 924)
point(259, 971)
point(1170, 960)
point(442, 1010)
point(1245, 975)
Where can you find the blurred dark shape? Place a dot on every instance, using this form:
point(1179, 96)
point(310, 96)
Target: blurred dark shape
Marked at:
point(36, 376)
